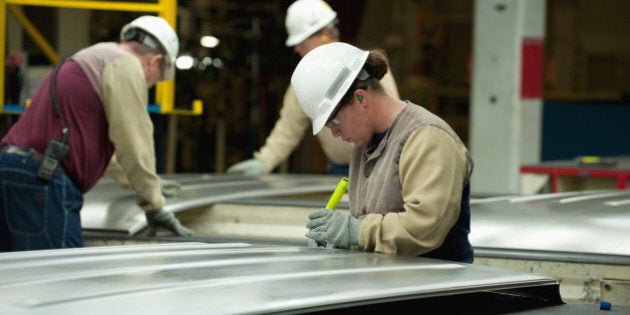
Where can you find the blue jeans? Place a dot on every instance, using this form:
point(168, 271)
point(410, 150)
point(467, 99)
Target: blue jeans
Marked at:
point(36, 214)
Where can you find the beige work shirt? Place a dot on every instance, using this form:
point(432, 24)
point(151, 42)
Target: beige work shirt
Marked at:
point(121, 83)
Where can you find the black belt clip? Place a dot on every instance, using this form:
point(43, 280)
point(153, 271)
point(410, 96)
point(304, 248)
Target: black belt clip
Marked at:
point(55, 151)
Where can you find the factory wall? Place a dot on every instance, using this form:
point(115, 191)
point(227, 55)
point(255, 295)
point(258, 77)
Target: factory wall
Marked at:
point(587, 64)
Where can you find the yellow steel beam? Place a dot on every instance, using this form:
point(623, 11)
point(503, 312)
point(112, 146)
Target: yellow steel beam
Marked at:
point(3, 52)
point(164, 91)
point(196, 109)
point(39, 39)
point(94, 5)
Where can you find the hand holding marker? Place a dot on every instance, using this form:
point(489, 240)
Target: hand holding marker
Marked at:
point(332, 205)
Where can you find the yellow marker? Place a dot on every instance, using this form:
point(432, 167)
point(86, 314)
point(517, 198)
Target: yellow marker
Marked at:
point(590, 159)
point(336, 196)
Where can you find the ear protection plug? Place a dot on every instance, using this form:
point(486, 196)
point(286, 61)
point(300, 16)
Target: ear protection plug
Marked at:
point(324, 38)
point(360, 97)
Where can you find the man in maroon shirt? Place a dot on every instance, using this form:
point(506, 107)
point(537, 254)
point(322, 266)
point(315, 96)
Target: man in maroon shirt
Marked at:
point(90, 109)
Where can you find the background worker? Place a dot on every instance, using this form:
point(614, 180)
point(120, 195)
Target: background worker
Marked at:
point(409, 172)
point(57, 151)
point(309, 24)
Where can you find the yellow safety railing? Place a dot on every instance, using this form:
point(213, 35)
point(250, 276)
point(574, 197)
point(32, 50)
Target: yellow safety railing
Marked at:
point(164, 91)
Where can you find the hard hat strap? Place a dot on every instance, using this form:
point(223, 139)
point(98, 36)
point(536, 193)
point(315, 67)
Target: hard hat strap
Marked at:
point(142, 37)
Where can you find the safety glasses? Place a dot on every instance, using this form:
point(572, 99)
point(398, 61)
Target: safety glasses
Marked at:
point(334, 120)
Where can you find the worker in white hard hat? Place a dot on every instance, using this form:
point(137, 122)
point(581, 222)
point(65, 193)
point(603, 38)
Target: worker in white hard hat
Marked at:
point(409, 171)
point(90, 108)
point(309, 24)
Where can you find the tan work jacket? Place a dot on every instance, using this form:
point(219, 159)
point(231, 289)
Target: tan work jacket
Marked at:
point(408, 187)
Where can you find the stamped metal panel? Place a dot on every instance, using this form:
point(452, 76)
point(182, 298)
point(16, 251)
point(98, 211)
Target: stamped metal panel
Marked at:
point(587, 223)
point(231, 278)
point(108, 207)
point(578, 226)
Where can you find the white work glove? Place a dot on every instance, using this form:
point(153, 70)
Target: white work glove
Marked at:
point(169, 188)
point(334, 227)
point(251, 167)
point(167, 220)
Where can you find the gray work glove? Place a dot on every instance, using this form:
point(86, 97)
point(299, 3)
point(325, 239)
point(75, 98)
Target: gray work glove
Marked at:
point(334, 227)
point(169, 188)
point(252, 167)
point(167, 220)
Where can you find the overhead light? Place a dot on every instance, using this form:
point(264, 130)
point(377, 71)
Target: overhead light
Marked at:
point(184, 62)
point(205, 62)
point(217, 63)
point(209, 41)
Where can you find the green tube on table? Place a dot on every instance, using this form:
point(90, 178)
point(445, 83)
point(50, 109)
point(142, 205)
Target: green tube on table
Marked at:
point(336, 196)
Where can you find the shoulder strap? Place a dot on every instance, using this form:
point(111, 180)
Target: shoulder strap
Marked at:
point(55, 101)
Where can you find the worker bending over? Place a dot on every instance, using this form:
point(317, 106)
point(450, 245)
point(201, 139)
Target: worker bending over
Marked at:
point(409, 172)
point(309, 24)
point(91, 108)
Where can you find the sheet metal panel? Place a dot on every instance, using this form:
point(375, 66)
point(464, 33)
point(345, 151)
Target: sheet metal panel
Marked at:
point(579, 226)
point(585, 223)
point(237, 278)
point(108, 207)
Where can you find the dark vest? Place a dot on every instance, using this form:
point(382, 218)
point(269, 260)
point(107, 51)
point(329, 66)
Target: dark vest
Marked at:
point(456, 246)
point(384, 195)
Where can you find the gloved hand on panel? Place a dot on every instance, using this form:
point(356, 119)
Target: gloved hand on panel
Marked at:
point(170, 188)
point(334, 227)
point(250, 167)
point(167, 220)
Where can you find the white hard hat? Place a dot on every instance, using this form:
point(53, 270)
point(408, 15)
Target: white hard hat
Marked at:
point(323, 77)
point(305, 17)
point(158, 29)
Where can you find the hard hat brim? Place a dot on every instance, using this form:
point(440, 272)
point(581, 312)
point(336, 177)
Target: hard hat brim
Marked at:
point(296, 39)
